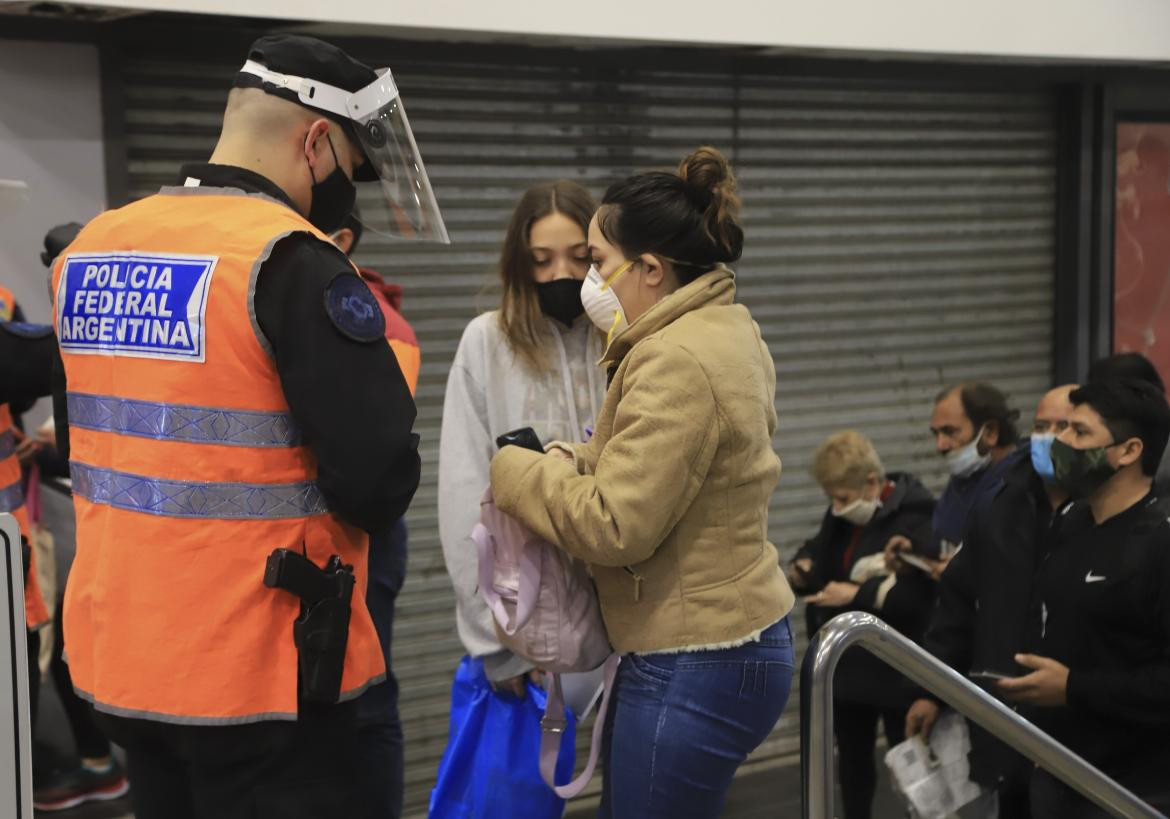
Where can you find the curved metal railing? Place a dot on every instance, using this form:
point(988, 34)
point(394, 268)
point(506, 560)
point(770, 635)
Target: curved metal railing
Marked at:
point(867, 631)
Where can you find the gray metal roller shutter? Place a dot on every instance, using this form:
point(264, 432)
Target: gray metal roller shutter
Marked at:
point(900, 237)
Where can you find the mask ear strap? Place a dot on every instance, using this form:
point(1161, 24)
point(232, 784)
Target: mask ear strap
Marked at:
point(332, 150)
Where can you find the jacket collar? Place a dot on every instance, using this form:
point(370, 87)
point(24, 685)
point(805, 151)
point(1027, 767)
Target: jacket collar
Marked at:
point(714, 288)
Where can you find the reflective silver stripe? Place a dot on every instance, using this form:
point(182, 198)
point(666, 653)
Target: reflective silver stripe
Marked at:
point(182, 422)
point(7, 445)
point(196, 499)
point(176, 719)
point(11, 497)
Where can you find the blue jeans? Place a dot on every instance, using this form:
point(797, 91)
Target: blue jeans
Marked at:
point(681, 724)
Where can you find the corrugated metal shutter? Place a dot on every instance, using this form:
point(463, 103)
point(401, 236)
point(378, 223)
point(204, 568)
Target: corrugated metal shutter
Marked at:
point(900, 237)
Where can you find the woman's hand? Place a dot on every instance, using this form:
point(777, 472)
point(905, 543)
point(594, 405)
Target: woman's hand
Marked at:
point(835, 595)
point(517, 686)
point(561, 455)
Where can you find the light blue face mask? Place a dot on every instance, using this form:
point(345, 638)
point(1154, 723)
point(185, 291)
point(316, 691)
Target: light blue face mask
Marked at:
point(1042, 457)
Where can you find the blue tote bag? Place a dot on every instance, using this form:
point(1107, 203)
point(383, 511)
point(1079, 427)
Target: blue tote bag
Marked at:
point(491, 768)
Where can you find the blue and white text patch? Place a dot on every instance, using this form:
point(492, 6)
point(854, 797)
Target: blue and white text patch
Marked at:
point(144, 305)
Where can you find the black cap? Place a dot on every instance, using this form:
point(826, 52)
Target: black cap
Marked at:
point(57, 239)
point(314, 59)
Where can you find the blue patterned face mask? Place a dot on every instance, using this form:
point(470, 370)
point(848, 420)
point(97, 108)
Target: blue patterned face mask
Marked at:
point(1042, 457)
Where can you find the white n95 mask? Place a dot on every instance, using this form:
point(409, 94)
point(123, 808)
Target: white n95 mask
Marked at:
point(602, 304)
point(860, 512)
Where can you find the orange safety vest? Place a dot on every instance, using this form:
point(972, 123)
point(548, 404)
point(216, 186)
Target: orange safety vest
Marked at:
point(187, 468)
point(7, 304)
point(36, 613)
point(399, 334)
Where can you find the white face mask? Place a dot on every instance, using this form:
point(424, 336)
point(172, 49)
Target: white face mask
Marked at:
point(966, 460)
point(602, 304)
point(860, 512)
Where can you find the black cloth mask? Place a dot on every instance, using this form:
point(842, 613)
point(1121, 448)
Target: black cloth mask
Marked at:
point(1080, 472)
point(332, 197)
point(561, 300)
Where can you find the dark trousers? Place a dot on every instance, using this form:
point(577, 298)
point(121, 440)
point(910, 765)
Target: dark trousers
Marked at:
point(265, 770)
point(379, 739)
point(91, 743)
point(855, 727)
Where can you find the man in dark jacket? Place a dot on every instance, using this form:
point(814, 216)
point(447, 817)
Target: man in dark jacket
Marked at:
point(1099, 629)
point(842, 569)
point(984, 594)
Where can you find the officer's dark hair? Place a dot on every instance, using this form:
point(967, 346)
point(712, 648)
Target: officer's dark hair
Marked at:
point(354, 222)
point(690, 217)
point(1130, 408)
point(1126, 367)
point(986, 404)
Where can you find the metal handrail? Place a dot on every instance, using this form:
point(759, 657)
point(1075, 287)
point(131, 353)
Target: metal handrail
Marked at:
point(892, 648)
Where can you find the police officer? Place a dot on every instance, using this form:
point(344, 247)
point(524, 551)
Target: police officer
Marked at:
point(230, 393)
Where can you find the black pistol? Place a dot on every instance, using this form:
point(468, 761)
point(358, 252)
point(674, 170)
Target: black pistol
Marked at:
point(322, 629)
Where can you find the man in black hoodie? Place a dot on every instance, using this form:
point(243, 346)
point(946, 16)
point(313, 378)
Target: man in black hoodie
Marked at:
point(1099, 628)
point(842, 568)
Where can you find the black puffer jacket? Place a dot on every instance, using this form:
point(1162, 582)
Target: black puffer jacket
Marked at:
point(904, 601)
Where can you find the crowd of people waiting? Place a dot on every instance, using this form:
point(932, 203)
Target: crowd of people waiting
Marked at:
point(1042, 570)
point(1042, 567)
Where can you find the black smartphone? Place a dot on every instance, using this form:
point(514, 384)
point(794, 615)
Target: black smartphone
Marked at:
point(524, 437)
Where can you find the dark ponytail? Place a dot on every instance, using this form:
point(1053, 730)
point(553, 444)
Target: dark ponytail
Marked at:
point(690, 217)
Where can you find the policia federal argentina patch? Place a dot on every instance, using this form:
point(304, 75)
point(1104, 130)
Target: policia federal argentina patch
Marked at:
point(353, 309)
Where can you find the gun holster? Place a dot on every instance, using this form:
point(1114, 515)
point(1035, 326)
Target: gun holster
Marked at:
point(321, 632)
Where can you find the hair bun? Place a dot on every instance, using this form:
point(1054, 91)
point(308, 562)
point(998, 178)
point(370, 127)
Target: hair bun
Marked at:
point(706, 172)
point(712, 187)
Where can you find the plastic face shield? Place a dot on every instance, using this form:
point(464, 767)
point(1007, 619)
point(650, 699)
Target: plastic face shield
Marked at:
point(400, 203)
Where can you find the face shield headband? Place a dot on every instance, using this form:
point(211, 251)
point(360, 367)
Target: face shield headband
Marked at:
point(394, 193)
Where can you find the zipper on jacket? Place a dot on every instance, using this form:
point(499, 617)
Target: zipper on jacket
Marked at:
point(637, 583)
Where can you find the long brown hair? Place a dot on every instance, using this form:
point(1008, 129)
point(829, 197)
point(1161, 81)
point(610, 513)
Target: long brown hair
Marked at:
point(520, 317)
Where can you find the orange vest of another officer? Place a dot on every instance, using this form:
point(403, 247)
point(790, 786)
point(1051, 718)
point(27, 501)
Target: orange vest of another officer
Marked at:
point(36, 614)
point(187, 468)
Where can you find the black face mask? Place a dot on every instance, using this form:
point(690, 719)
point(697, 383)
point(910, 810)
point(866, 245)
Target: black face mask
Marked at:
point(1080, 472)
point(561, 300)
point(332, 197)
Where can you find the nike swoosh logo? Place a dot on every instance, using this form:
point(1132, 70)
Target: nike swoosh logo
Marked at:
point(1093, 578)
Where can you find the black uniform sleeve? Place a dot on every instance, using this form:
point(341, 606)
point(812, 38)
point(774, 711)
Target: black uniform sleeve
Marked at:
point(348, 397)
point(1138, 695)
point(27, 364)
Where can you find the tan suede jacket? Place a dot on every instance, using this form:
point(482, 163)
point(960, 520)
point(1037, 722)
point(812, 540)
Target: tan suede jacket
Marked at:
point(668, 502)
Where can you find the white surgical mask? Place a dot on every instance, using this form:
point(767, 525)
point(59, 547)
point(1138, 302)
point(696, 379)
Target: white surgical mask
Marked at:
point(966, 460)
point(860, 512)
point(602, 304)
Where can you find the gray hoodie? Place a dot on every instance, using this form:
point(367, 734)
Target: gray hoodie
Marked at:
point(490, 392)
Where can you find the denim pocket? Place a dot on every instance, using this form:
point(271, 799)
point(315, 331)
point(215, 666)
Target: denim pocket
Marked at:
point(765, 679)
point(648, 670)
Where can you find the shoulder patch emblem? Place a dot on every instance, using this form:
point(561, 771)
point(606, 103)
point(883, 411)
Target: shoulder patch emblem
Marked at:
point(353, 309)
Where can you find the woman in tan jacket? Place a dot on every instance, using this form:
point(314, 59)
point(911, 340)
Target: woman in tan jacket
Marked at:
point(668, 502)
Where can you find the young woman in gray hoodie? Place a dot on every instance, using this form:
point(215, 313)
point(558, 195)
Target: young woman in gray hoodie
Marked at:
point(531, 363)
